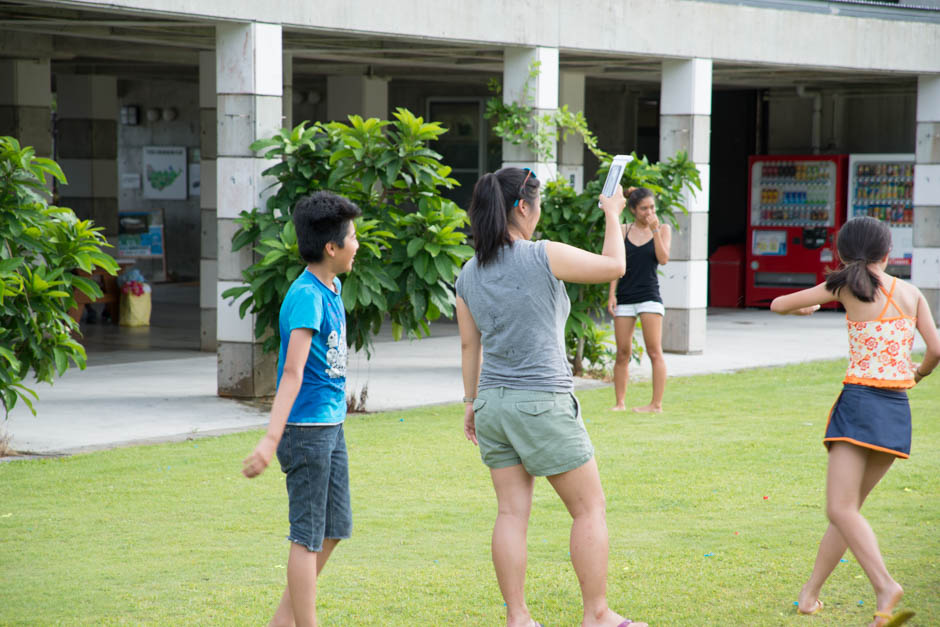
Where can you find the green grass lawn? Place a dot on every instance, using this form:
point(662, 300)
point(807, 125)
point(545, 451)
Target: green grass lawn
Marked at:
point(715, 509)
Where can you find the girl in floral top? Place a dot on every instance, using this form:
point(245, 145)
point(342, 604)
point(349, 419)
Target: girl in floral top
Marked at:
point(870, 424)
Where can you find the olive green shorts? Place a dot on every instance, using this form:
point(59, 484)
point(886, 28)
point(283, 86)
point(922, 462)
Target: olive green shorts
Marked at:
point(543, 431)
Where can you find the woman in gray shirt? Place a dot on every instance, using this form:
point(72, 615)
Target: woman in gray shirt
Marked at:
point(519, 392)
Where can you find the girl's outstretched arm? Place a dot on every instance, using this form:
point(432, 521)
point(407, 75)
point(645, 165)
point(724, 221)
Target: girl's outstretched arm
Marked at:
point(928, 331)
point(804, 302)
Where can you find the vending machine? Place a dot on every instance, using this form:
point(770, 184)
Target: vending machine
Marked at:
point(882, 186)
point(795, 206)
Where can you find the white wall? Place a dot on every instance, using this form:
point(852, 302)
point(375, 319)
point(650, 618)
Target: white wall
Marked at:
point(668, 28)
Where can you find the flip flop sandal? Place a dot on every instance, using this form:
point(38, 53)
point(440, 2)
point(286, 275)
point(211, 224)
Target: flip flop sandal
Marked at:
point(816, 608)
point(898, 618)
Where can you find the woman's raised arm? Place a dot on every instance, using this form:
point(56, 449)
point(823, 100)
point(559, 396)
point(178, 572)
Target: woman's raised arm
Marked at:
point(575, 265)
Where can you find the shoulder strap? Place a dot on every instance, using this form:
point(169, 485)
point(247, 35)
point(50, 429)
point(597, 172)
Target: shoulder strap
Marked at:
point(890, 302)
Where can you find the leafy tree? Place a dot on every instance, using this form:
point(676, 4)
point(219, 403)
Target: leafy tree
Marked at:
point(41, 247)
point(411, 245)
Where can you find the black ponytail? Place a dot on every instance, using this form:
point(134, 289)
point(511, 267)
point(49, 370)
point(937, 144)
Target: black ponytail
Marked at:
point(494, 197)
point(861, 241)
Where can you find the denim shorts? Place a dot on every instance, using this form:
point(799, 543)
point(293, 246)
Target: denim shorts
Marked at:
point(633, 310)
point(317, 468)
point(543, 431)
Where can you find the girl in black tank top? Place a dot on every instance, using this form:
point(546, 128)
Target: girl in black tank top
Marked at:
point(636, 295)
point(641, 281)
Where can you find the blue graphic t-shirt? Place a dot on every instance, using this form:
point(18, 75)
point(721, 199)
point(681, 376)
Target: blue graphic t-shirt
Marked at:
point(310, 304)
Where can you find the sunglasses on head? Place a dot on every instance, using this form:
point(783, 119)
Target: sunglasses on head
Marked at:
point(528, 172)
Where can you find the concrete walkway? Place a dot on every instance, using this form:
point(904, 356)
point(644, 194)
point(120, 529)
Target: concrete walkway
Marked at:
point(135, 396)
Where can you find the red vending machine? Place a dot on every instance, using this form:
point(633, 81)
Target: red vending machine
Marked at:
point(796, 205)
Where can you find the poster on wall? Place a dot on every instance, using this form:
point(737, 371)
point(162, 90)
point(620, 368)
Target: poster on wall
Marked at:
point(165, 172)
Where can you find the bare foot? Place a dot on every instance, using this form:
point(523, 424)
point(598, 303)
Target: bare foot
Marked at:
point(887, 599)
point(522, 622)
point(808, 603)
point(812, 609)
point(618, 407)
point(649, 409)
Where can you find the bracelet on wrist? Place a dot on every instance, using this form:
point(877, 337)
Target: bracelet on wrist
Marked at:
point(468, 399)
point(922, 374)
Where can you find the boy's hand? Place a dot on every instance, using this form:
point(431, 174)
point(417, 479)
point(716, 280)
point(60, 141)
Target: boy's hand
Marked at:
point(259, 459)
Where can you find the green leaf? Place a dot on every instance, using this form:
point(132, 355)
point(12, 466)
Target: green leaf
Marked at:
point(7, 354)
point(415, 245)
point(350, 293)
point(445, 267)
point(421, 263)
point(61, 362)
point(419, 302)
point(234, 292)
point(9, 265)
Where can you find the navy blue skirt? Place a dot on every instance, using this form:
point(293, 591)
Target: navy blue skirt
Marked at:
point(875, 418)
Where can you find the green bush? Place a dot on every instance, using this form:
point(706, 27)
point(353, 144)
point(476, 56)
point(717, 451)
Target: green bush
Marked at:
point(42, 245)
point(411, 245)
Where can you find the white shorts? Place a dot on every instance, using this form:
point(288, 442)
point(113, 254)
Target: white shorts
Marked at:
point(633, 310)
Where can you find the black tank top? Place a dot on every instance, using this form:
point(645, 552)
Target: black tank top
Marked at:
point(640, 283)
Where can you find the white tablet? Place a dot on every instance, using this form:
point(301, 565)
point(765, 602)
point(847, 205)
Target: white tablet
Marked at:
point(614, 175)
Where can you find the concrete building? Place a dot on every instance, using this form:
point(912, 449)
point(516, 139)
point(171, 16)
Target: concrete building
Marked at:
point(99, 83)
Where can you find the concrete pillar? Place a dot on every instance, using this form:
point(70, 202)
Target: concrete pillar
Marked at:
point(208, 242)
point(356, 95)
point(685, 125)
point(925, 267)
point(86, 124)
point(25, 103)
point(287, 98)
point(542, 95)
point(571, 153)
point(248, 85)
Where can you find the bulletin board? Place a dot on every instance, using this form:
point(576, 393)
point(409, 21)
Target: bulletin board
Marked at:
point(164, 170)
point(142, 235)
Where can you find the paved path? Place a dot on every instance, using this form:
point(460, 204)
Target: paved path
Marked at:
point(130, 400)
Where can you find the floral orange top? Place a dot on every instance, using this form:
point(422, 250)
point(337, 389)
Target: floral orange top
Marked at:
point(880, 349)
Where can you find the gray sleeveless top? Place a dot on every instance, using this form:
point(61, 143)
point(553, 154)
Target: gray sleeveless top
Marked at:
point(520, 309)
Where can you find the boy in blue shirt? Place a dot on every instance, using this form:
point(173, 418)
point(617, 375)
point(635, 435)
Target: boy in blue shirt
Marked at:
point(306, 427)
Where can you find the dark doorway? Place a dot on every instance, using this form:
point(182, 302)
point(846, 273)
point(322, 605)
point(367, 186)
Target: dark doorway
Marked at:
point(733, 139)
